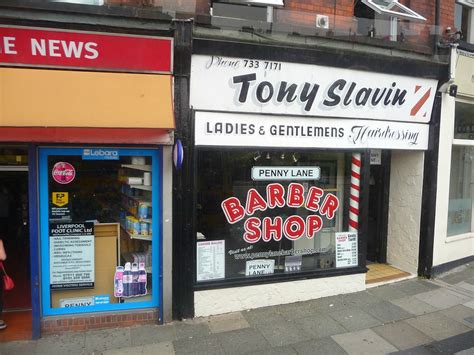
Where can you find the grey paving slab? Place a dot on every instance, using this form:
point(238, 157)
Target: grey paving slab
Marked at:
point(428, 283)
point(199, 345)
point(189, 330)
point(465, 286)
point(388, 292)
point(461, 314)
point(330, 304)
point(105, 339)
point(150, 334)
point(64, 343)
point(282, 334)
point(457, 276)
point(320, 326)
point(324, 346)
point(364, 342)
point(419, 350)
point(414, 305)
point(457, 343)
point(402, 335)
point(469, 320)
point(442, 298)
point(163, 348)
point(437, 325)
point(413, 287)
point(386, 311)
point(355, 319)
point(227, 322)
point(242, 341)
point(263, 315)
point(470, 281)
point(360, 299)
point(298, 310)
point(18, 347)
point(281, 350)
point(469, 304)
point(466, 352)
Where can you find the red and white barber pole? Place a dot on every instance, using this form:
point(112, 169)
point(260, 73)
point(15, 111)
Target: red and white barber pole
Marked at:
point(355, 193)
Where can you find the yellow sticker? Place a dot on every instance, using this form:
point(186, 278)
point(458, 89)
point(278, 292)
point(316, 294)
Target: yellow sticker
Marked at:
point(60, 198)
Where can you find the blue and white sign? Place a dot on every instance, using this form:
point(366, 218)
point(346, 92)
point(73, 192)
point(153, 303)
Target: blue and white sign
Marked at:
point(100, 154)
point(268, 173)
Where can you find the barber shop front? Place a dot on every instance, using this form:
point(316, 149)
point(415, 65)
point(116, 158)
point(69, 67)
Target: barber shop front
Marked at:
point(305, 176)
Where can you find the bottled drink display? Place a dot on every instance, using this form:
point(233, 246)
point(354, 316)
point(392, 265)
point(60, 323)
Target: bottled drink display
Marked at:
point(131, 280)
point(127, 281)
point(118, 281)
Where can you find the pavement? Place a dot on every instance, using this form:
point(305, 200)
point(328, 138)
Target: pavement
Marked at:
point(408, 317)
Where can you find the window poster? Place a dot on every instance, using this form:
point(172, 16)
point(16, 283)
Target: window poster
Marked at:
point(210, 257)
point(71, 255)
point(346, 249)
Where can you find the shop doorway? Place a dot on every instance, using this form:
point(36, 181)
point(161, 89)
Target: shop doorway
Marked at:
point(14, 230)
point(379, 270)
point(378, 206)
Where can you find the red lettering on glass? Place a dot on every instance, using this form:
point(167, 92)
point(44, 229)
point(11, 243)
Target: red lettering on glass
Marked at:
point(233, 210)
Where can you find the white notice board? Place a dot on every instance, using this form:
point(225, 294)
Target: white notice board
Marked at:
point(210, 260)
point(346, 249)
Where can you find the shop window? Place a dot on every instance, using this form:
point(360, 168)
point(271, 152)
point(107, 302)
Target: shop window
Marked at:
point(244, 13)
point(266, 213)
point(460, 209)
point(99, 229)
point(464, 19)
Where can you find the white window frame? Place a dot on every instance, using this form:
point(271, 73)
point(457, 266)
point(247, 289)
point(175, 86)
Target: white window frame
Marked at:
point(410, 15)
point(468, 5)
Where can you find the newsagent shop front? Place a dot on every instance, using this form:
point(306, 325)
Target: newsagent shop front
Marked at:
point(290, 162)
point(95, 131)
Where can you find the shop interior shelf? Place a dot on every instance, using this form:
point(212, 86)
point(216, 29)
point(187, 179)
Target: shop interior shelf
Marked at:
point(137, 167)
point(137, 236)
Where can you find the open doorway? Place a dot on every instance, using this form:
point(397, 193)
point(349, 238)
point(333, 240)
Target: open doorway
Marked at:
point(379, 270)
point(14, 230)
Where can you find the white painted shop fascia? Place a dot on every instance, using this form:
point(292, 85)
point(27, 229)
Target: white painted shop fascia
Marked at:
point(234, 299)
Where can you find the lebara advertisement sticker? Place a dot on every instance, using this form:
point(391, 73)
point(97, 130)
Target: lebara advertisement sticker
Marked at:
point(63, 173)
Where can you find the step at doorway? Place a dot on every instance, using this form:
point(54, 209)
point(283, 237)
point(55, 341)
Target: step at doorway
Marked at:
point(383, 273)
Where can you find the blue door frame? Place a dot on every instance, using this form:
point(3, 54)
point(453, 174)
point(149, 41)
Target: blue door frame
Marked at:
point(39, 255)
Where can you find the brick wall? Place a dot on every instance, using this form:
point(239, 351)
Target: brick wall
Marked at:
point(51, 325)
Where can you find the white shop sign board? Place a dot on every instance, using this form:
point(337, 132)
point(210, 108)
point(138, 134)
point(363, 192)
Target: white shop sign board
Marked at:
point(346, 249)
point(210, 260)
point(272, 173)
point(262, 86)
point(72, 256)
point(252, 130)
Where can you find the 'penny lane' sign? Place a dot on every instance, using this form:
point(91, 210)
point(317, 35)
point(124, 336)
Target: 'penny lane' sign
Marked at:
point(261, 86)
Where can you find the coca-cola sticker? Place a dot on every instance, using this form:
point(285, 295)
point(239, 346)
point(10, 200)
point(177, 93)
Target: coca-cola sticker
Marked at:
point(63, 173)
